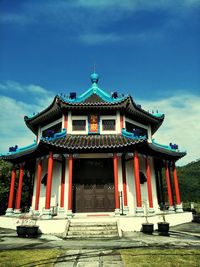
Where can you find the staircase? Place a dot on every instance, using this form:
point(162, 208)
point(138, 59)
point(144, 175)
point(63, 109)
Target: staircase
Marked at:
point(97, 230)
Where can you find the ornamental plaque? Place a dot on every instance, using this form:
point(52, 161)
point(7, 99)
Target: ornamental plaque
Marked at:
point(93, 124)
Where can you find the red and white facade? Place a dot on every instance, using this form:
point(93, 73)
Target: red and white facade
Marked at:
point(95, 155)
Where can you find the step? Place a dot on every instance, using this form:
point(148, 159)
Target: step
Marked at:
point(92, 237)
point(93, 224)
point(92, 232)
point(92, 228)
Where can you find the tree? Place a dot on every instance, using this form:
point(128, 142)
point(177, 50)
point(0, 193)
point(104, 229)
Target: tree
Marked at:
point(5, 174)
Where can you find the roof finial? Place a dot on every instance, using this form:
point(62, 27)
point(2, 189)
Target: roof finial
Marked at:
point(94, 76)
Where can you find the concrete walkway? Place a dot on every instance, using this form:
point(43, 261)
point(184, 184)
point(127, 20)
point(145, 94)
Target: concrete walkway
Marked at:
point(90, 258)
point(103, 252)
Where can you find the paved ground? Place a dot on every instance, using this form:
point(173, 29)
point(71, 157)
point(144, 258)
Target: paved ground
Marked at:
point(102, 252)
point(90, 258)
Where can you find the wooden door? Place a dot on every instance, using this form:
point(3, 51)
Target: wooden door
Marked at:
point(93, 185)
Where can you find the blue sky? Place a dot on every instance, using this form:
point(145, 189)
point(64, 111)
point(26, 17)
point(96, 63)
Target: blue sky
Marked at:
point(149, 49)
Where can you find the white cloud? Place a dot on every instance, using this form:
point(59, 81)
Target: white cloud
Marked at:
point(12, 112)
point(136, 4)
point(181, 124)
point(13, 130)
point(76, 11)
point(21, 88)
point(21, 19)
point(87, 19)
point(101, 38)
point(38, 95)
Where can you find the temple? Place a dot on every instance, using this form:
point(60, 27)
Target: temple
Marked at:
point(95, 154)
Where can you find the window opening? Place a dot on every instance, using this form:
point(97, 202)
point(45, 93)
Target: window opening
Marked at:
point(78, 125)
point(135, 129)
point(52, 130)
point(108, 125)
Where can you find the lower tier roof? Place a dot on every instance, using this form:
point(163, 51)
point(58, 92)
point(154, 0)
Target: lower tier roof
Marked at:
point(76, 144)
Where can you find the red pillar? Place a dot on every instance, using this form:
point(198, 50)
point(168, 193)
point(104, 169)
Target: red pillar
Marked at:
point(169, 191)
point(49, 181)
point(124, 181)
point(62, 193)
point(115, 165)
point(12, 188)
point(19, 189)
point(149, 188)
point(65, 121)
point(121, 122)
point(137, 180)
point(176, 187)
point(70, 183)
point(39, 175)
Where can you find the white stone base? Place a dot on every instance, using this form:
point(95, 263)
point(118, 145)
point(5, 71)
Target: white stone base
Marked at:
point(151, 210)
point(17, 212)
point(69, 214)
point(46, 214)
point(179, 208)
point(126, 210)
point(117, 212)
point(61, 213)
point(9, 212)
point(35, 212)
point(139, 211)
point(126, 224)
point(171, 208)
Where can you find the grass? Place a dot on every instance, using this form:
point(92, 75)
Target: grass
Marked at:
point(27, 258)
point(160, 257)
point(137, 257)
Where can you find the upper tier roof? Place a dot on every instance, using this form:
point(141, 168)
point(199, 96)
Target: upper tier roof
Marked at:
point(94, 99)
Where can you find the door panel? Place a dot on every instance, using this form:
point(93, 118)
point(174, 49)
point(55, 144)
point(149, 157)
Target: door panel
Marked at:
point(93, 185)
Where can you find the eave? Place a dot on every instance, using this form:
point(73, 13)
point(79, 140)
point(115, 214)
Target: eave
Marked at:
point(75, 144)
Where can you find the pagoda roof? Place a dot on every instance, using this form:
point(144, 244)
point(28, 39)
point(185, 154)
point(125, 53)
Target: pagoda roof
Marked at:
point(74, 144)
point(94, 99)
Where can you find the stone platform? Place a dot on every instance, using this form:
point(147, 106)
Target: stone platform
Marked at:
point(125, 224)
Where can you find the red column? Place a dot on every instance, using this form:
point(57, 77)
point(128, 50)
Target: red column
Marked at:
point(49, 181)
point(12, 188)
point(39, 175)
point(137, 180)
point(176, 187)
point(149, 188)
point(115, 165)
point(19, 189)
point(70, 183)
point(65, 121)
point(169, 191)
point(121, 122)
point(124, 181)
point(62, 193)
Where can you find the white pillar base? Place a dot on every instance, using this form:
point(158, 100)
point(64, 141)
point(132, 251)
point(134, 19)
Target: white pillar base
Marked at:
point(69, 214)
point(126, 210)
point(46, 214)
point(31, 210)
point(61, 212)
point(139, 211)
point(17, 212)
point(35, 212)
point(171, 208)
point(179, 208)
point(117, 212)
point(9, 212)
point(151, 210)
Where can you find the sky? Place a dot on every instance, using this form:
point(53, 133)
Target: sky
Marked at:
point(149, 49)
